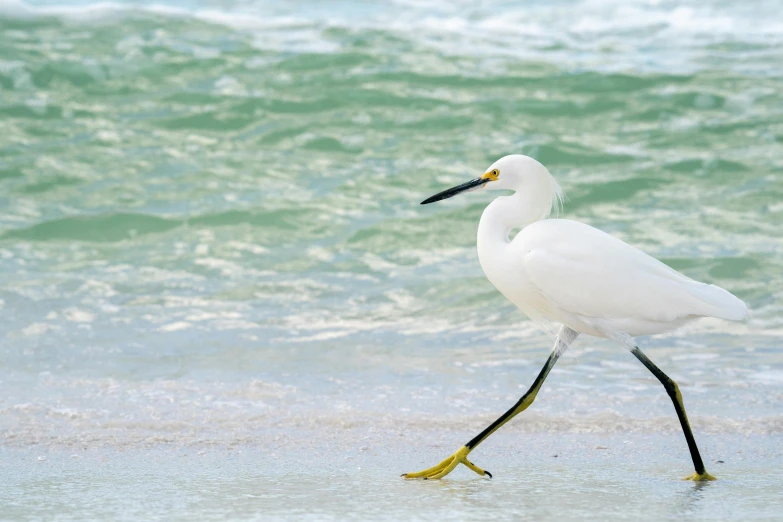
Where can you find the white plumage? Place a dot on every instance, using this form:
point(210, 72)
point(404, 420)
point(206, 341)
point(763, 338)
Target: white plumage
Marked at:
point(577, 275)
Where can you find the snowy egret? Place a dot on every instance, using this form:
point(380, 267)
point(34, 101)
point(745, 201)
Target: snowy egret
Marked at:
point(580, 277)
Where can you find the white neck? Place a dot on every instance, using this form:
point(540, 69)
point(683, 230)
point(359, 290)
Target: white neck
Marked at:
point(509, 212)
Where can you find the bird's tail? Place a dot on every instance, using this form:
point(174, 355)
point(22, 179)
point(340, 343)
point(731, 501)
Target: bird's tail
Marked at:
point(714, 301)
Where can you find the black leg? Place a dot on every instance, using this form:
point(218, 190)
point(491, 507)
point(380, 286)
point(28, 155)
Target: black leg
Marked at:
point(564, 337)
point(521, 405)
point(674, 393)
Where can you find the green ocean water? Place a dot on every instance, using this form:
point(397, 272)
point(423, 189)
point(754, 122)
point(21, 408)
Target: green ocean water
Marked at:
point(210, 232)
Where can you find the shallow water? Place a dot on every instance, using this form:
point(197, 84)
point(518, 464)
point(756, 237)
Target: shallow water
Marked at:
point(210, 241)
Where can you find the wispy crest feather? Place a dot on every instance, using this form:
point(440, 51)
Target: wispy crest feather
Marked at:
point(558, 196)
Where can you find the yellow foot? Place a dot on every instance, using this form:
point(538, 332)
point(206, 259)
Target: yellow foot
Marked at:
point(698, 477)
point(447, 466)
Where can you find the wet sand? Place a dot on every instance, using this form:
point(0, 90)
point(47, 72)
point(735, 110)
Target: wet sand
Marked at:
point(544, 476)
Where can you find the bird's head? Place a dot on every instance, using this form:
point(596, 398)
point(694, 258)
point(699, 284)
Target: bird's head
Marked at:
point(514, 172)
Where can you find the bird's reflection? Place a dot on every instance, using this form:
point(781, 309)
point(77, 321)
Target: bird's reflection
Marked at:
point(693, 495)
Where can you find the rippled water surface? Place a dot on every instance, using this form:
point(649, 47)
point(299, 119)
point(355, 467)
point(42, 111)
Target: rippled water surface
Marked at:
point(210, 239)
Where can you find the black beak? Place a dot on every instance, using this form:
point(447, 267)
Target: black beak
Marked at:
point(453, 191)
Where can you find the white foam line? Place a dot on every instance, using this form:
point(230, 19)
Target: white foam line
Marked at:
point(586, 18)
point(111, 10)
point(582, 31)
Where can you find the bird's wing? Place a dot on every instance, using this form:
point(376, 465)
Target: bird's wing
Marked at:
point(585, 271)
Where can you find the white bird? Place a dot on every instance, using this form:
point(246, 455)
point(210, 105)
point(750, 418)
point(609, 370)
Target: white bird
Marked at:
point(585, 279)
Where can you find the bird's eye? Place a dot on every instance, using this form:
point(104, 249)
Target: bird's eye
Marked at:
point(496, 172)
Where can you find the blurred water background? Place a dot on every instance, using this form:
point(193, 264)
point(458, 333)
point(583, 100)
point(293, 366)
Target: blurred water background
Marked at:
point(210, 241)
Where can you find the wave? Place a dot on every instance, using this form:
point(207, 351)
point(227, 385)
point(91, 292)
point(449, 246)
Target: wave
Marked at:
point(113, 227)
point(553, 28)
point(583, 17)
point(104, 228)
